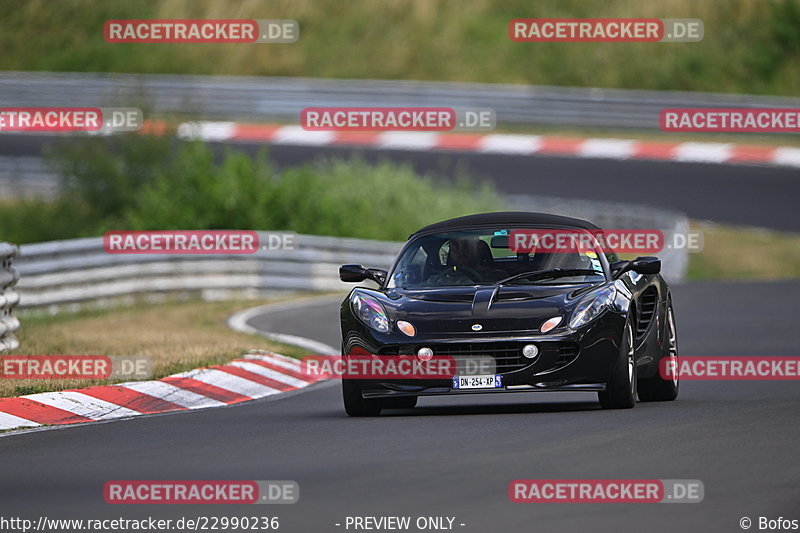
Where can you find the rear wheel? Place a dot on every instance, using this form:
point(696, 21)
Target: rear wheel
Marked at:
point(402, 402)
point(355, 404)
point(620, 391)
point(657, 389)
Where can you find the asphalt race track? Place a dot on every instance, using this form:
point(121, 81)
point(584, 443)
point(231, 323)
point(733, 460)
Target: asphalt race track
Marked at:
point(738, 194)
point(456, 456)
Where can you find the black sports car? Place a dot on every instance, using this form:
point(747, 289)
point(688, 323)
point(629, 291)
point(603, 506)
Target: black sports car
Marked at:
point(572, 320)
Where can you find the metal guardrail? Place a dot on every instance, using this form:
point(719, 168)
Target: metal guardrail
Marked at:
point(67, 275)
point(8, 297)
point(271, 98)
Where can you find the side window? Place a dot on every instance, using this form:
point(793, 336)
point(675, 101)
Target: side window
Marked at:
point(410, 271)
point(419, 258)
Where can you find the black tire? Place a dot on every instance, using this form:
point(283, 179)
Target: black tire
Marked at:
point(355, 404)
point(657, 389)
point(402, 402)
point(620, 391)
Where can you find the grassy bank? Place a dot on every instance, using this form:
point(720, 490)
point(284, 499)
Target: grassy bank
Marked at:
point(744, 253)
point(749, 47)
point(176, 337)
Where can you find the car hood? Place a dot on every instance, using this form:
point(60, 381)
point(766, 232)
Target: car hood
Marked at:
point(457, 310)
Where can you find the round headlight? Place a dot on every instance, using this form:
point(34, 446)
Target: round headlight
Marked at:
point(370, 311)
point(424, 353)
point(406, 328)
point(530, 351)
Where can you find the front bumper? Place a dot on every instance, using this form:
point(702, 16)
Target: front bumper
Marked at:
point(569, 360)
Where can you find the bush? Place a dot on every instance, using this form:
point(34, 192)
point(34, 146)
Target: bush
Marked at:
point(105, 173)
point(333, 197)
point(35, 220)
point(147, 183)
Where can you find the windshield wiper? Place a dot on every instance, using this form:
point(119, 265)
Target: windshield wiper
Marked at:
point(551, 273)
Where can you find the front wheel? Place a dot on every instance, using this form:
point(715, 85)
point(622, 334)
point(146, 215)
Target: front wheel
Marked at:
point(657, 389)
point(620, 391)
point(357, 405)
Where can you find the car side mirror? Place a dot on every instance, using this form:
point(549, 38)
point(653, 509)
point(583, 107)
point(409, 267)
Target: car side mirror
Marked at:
point(646, 265)
point(352, 273)
point(640, 265)
point(356, 273)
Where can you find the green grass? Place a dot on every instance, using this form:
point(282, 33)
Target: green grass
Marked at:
point(749, 46)
point(731, 252)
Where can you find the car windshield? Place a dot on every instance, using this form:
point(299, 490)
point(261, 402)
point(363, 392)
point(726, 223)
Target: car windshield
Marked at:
point(484, 257)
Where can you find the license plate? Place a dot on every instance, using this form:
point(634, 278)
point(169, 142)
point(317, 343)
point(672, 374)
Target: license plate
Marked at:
point(478, 382)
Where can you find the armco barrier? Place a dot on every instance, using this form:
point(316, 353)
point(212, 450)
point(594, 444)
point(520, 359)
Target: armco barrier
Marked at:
point(8, 297)
point(272, 98)
point(73, 273)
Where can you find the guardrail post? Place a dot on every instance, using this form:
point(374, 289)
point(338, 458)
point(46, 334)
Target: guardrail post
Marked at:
point(8, 297)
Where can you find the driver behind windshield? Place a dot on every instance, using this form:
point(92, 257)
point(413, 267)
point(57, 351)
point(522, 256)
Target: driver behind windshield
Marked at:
point(469, 261)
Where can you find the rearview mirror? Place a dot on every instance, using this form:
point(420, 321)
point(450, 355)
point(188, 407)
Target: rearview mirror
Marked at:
point(499, 241)
point(356, 273)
